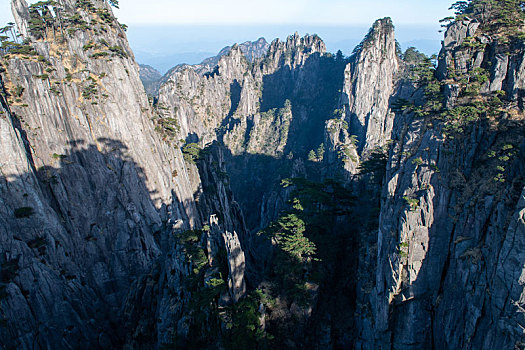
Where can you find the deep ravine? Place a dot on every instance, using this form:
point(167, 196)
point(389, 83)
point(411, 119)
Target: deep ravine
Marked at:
point(276, 196)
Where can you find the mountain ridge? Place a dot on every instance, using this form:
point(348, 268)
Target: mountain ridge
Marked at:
point(296, 199)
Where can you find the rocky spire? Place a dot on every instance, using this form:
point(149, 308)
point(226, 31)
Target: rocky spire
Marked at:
point(368, 85)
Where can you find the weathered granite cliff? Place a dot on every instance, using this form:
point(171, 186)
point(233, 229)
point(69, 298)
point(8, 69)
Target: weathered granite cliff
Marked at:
point(450, 245)
point(369, 84)
point(93, 200)
point(364, 119)
point(271, 115)
point(381, 197)
point(268, 113)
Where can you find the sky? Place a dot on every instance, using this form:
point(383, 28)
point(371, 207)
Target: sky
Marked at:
point(164, 33)
point(320, 12)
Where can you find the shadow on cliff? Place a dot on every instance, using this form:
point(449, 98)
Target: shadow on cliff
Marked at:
point(465, 232)
point(256, 184)
point(255, 179)
point(229, 123)
point(314, 91)
point(91, 227)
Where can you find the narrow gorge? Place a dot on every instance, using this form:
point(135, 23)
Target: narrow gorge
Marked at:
point(276, 196)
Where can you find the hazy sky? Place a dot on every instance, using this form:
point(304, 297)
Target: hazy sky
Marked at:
point(325, 12)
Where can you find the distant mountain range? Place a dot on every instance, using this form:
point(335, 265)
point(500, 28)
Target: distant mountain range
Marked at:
point(164, 47)
point(152, 78)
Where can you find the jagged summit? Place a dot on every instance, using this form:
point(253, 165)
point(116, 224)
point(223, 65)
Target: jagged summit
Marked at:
point(369, 83)
point(253, 50)
point(309, 43)
point(382, 29)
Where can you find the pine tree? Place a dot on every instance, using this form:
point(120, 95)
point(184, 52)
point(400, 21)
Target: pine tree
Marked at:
point(320, 152)
point(311, 156)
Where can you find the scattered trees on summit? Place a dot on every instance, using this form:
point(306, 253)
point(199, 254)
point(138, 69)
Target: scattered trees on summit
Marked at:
point(501, 17)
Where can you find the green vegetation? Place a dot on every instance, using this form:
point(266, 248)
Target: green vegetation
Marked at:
point(500, 158)
point(311, 156)
point(320, 152)
point(76, 23)
point(291, 239)
point(344, 153)
point(51, 17)
point(499, 17)
point(114, 3)
point(413, 57)
point(118, 51)
point(191, 152)
point(304, 236)
point(401, 105)
point(54, 91)
point(337, 122)
point(236, 325)
point(90, 91)
point(99, 55)
point(169, 125)
point(18, 49)
point(105, 16)
point(412, 202)
point(417, 161)
point(242, 320)
point(88, 46)
point(471, 106)
point(42, 76)
point(58, 156)
point(424, 76)
point(203, 311)
point(41, 18)
point(18, 91)
point(402, 249)
point(317, 156)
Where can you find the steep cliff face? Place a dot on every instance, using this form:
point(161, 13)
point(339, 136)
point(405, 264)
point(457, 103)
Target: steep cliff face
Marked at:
point(268, 113)
point(449, 267)
point(176, 303)
point(271, 116)
point(94, 205)
point(368, 86)
point(119, 229)
point(364, 119)
point(222, 102)
point(91, 194)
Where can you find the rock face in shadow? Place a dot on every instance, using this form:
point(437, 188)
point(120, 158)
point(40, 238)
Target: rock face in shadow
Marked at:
point(93, 198)
point(118, 224)
point(447, 276)
point(272, 107)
